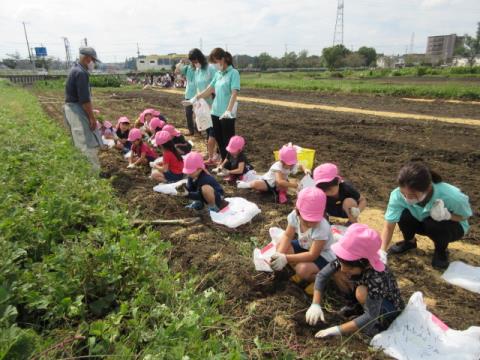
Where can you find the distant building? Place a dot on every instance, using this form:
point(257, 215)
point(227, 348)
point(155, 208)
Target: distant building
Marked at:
point(390, 62)
point(442, 48)
point(463, 61)
point(158, 62)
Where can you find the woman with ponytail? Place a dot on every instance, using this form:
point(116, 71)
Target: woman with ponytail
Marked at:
point(426, 205)
point(225, 85)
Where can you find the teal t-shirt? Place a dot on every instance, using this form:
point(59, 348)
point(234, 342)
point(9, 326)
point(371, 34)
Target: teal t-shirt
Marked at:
point(189, 72)
point(224, 82)
point(455, 201)
point(203, 78)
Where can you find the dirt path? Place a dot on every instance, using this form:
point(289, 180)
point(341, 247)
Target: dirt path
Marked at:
point(348, 110)
point(368, 149)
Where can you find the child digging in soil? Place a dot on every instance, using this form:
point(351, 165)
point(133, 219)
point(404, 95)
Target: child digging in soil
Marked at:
point(305, 244)
point(343, 200)
point(201, 187)
point(276, 179)
point(170, 169)
point(182, 145)
point(142, 154)
point(235, 164)
point(121, 134)
point(371, 282)
point(155, 126)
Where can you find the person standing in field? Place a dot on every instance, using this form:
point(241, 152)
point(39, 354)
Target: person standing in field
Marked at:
point(188, 71)
point(226, 85)
point(204, 74)
point(78, 110)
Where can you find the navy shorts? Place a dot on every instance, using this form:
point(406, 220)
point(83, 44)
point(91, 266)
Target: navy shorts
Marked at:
point(320, 261)
point(171, 177)
point(337, 211)
point(210, 133)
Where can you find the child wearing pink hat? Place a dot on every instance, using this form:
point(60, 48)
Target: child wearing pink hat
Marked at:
point(106, 129)
point(343, 200)
point(142, 154)
point(182, 145)
point(121, 134)
point(372, 283)
point(170, 170)
point(201, 187)
point(235, 164)
point(306, 242)
point(276, 179)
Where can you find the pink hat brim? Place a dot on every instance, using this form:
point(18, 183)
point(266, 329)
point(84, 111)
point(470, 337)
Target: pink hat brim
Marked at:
point(328, 179)
point(311, 217)
point(340, 252)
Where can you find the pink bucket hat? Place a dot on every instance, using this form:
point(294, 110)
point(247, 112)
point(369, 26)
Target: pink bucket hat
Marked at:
point(288, 154)
point(156, 113)
point(156, 123)
point(107, 124)
point(143, 113)
point(192, 162)
point(123, 120)
point(134, 134)
point(235, 144)
point(311, 203)
point(171, 129)
point(325, 173)
point(162, 137)
point(360, 242)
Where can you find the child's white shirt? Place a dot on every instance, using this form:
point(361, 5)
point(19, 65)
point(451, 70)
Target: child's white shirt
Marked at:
point(269, 177)
point(321, 232)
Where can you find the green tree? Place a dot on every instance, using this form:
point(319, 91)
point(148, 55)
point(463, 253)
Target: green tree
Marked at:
point(471, 47)
point(264, 61)
point(370, 55)
point(289, 60)
point(334, 56)
point(354, 60)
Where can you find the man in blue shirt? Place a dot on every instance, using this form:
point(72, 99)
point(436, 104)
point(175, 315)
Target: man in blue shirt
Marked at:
point(78, 110)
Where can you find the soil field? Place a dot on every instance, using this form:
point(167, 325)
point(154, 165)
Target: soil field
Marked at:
point(269, 311)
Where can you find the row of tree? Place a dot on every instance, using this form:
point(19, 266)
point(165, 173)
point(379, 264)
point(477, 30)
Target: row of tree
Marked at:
point(332, 57)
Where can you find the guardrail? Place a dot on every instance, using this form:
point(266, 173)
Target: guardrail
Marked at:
point(30, 79)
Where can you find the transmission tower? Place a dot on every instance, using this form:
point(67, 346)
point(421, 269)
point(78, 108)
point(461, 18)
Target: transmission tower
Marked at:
point(68, 56)
point(412, 43)
point(338, 33)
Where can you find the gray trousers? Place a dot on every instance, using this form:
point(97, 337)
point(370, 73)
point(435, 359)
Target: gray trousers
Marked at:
point(86, 140)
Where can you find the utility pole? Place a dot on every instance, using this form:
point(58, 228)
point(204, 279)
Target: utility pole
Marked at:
point(28, 46)
point(338, 33)
point(286, 49)
point(138, 51)
point(85, 42)
point(412, 43)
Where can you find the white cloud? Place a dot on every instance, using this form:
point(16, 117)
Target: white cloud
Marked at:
point(247, 26)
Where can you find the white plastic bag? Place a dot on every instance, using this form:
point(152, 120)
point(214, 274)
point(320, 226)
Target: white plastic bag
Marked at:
point(250, 176)
point(306, 182)
point(108, 142)
point(418, 334)
point(238, 212)
point(128, 155)
point(203, 118)
point(169, 189)
point(463, 275)
point(261, 257)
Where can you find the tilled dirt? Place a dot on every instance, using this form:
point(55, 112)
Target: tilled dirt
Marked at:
point(369, 150)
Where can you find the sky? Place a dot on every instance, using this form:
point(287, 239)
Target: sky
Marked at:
point(114, 27)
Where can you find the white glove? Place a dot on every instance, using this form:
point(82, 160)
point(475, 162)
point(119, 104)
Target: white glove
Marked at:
point(243, 185)
point(439, 212)
point(217, 170)
point(227, 115)
point(192, 101)
point(355, 212)
point(278, 261)
point(223, 172)
point(131, 166)
point(181, 189)
point(383, 256)
point(314, 313)
point(331, 331)
point(307, 171)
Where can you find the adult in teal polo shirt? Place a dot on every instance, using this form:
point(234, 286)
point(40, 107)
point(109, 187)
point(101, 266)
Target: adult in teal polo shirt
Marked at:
point(423, 204)
point(204, 74)
point(226, 85)
point(188, 71)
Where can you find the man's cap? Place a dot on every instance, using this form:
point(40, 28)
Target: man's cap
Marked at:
point(89, 51)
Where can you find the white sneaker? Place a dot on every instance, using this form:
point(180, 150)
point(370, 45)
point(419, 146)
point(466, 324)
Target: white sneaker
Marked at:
point(243, 185)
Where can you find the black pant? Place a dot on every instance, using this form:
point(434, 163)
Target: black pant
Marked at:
point(224, 129)
point(190, 124)
point(441, 232)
